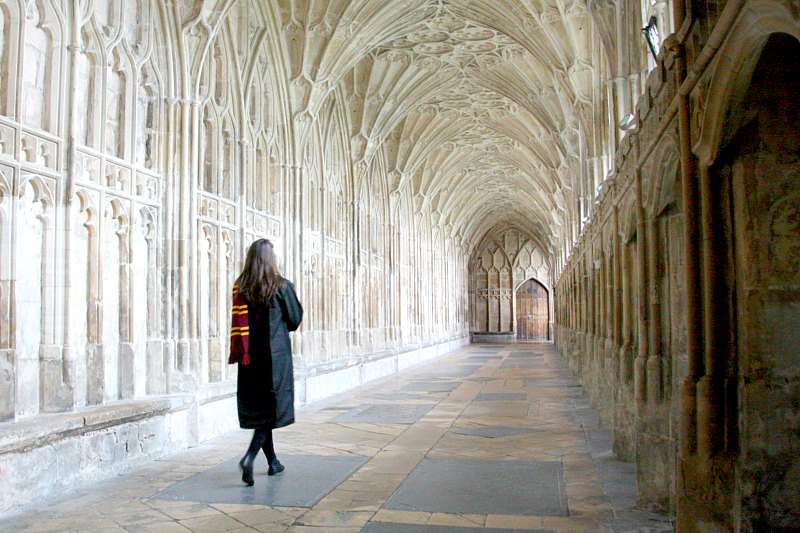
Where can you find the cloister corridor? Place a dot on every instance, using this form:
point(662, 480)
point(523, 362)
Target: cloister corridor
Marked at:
point(494, 438)
point(547, 251)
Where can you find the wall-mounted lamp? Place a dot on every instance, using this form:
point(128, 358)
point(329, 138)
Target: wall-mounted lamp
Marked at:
point(628, 122)
point(652, 37)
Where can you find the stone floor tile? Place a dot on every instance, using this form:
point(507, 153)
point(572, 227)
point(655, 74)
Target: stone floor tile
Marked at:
point(157, 527)
point(229, 508)
point(461, 520)
point(401, 517)
point(133, 518)
point(306, 480)
point(334, 518)
point(501, 396)
point(500, 521)
point(385, 413)
point(386, 527)
point(322, 529)
point(491, 431)
point(482, 486)
point(431, 386)
point(183, 510)
point(571, 524)
point(46, 525)
point(211, 524)
point(266, 516)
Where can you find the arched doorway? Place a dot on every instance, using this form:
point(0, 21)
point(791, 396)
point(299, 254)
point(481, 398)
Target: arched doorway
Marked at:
point(533, 312)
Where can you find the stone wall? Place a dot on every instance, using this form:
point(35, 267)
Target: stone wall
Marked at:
point(678, 306)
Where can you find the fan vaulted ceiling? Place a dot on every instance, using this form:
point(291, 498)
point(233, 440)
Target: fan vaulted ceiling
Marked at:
point(480, 104)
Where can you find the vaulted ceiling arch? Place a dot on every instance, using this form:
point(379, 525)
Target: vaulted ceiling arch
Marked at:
point(468, 101)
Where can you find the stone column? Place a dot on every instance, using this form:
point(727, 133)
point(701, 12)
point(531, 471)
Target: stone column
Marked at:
point(187, 348)
point(68, 355)
point(654, 373)
point(169, 234)
point(573, 294)
point(294, 238)
point(126, 370)
point(584, 297)
point(627, 273)
point(621, 86)
point(588, 347)
point(640, 378)
point(602, 302)
point(610, 290)
point(617, 296)
point(692, 260)
point(710, 388)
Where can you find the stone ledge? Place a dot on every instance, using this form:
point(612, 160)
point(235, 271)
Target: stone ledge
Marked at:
point(41, 430)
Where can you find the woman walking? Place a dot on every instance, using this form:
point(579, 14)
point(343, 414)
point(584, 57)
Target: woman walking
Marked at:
point(265, 310)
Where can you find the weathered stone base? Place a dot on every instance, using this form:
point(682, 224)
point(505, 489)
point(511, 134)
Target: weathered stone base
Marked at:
point(48, 454)
point(641, 432)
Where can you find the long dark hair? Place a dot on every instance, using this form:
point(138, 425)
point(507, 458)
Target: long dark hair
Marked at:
point(260, 278)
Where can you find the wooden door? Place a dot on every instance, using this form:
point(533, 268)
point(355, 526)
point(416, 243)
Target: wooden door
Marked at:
point(533, 311)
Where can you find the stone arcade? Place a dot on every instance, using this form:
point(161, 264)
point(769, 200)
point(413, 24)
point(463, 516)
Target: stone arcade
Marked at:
point(431, 171)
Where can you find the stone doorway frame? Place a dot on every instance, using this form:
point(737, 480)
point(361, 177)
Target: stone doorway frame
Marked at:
point(549, 293)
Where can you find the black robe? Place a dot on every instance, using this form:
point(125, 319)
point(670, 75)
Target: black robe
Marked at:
point(265, 387)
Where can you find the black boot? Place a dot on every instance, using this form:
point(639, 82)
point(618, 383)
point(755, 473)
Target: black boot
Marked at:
point(246, 466)
point(246, 463)
point(275, 468)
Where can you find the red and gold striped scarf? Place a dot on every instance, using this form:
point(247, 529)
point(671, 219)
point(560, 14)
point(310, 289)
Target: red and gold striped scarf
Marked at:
point(240, 330)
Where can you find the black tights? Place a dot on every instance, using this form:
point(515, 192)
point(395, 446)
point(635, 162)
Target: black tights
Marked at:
point(262, 440)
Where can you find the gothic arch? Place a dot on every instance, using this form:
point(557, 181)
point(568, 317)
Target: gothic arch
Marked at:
point(665, 185)
point(43, 31)
point(727, 83)
point(11, 20)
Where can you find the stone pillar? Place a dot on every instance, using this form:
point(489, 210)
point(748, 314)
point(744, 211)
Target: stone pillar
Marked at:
point(186, 204)
point(693, 302)
point(654, 371)
point(294, 238)
point(710, 393)
point(68, 355)
point(589, 297)
point(640, 377)
point(609, 354)
point(627, 273)
point(168, 233)
point(126, 376)
point(574, 293)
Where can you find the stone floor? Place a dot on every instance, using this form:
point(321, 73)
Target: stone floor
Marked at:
point(491, 438)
